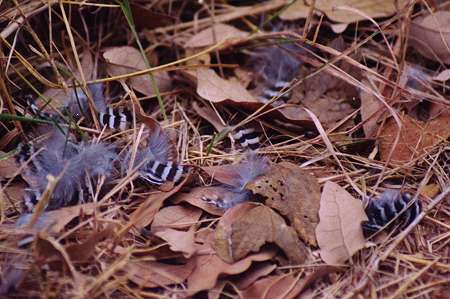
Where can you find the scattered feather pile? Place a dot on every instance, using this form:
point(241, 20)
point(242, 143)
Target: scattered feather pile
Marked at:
point(74, 163)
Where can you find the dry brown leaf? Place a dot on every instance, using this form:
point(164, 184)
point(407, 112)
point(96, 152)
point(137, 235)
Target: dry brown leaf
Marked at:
point(337, 10)
point(430, 190)
point(216, 89)
point(285, 286)
point(196, 195)
point(371, 111)
point(214, 35)
point(246, 227)
point(144, 214)
point(210, 266)
point(274, 287)
point(415, 137)
point(8, 167)
point(295, 11)
point(124, 60)
point(294, 193)
point(154, 274)
point(442, 76)
point(54, 221)
point(244, 280)
point(339, 232)
point(13, 195)
point(430, 36)
point(208, 114)
point(175, 217)
point(179, 241)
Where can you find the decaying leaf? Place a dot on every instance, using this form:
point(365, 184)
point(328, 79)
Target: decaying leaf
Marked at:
point(339, 232)
point(210, 266)
point(246, 227)
point(215, 34)
point(294, 193)
point(126, 59)
point(178, 217)
point(179, 241)
point(154, 274)
point(415, 136)
point(430, 36)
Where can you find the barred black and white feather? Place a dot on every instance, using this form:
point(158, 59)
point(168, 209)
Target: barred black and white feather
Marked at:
point(391, 206)
point(117, 119)
point(277, 67)
point(156, 159)
point(246, 171)
point(248, 138)
point(76, 162)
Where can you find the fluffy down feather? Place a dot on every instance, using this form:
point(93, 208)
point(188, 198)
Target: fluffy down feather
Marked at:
point(277, 63)
point(247, 171)
point(78, 102)
point(78, 163)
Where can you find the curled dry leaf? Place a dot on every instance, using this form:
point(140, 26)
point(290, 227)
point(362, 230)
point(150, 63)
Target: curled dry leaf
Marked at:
point(246, 227)
point(215, 34)
point(415, 136)
point(339, 232)
point(175, 217)
point(430, 36)
point(179, 241)
point(125, 60)
point(210, 266)
point(154, 274)
point(294, 193)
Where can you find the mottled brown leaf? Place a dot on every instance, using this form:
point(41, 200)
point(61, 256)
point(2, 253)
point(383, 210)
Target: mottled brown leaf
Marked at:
point(246, 227)
point(339, 232)
point(294, 193)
